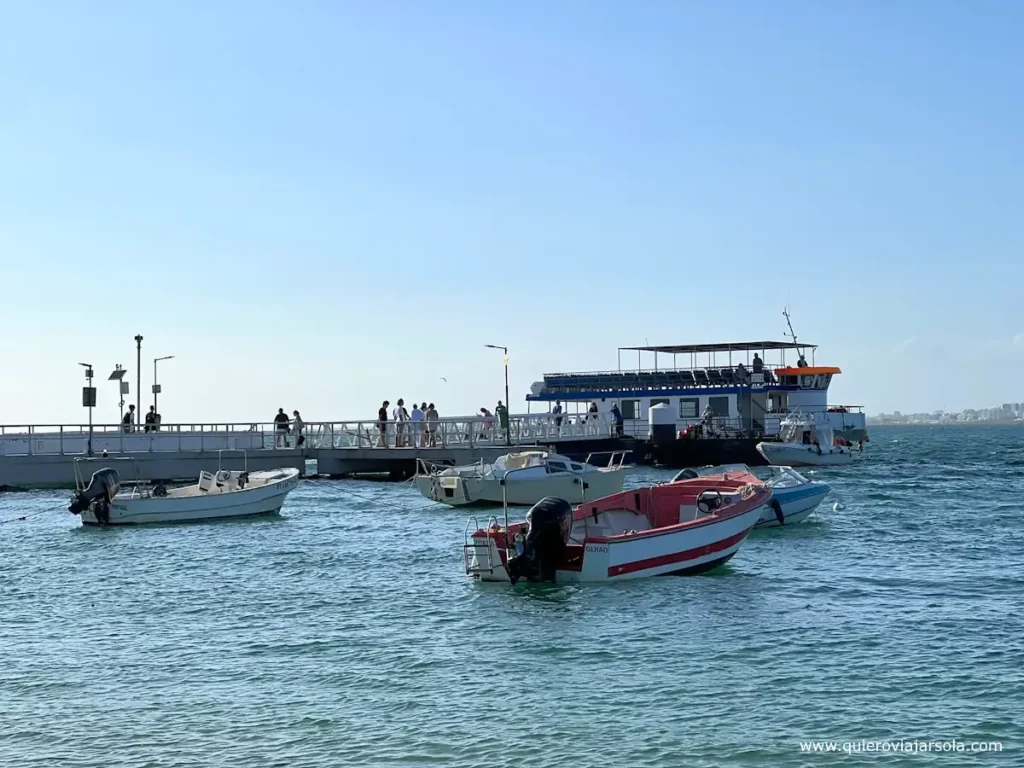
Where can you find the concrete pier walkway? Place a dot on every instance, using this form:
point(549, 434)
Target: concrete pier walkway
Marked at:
point(44, 456)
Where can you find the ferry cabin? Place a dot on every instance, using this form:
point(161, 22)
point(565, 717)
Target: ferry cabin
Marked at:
point(749, 386)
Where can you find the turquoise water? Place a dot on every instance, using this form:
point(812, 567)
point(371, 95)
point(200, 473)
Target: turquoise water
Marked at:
point(346, 633)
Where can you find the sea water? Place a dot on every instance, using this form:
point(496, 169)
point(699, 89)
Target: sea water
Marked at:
point(345, 632)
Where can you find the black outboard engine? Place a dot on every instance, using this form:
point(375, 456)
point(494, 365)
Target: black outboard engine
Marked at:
point(103, 487)
point(550, 523)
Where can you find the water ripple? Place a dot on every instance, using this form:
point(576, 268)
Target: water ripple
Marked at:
point(345, 633)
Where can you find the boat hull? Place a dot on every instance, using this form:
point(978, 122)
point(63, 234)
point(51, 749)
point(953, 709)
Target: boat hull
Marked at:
point(797, 504)
point(691, 549)
point(797, 455)
point(250, 502)
point(459, 491)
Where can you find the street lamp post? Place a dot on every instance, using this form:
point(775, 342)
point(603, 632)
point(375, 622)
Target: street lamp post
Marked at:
point(122, 387)
point(138, 376)
point(89, 399)
point(504, 350)
point(156, 387)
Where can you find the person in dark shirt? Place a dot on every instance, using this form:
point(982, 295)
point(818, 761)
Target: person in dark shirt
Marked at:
point(758, 364)
point(382, 425)
point(150, 420)
point(617, 415)
point(281, 428)
point(128, 422)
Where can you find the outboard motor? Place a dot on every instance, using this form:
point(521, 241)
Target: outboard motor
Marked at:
point(103, 487)
point(550, 523)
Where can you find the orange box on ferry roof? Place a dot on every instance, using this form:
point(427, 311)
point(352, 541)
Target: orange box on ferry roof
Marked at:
point(808, 370)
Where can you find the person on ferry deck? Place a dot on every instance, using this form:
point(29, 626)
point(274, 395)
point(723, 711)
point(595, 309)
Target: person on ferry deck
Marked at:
point(758, 364)
point(741, 373)
point(802, 362)
point(617, 415)
point(557, 411)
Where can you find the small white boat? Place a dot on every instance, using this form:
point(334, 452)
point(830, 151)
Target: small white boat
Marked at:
point(805, 443)
point(687, 527)
point(794, 497)
point(522, 478)
point(220, 495)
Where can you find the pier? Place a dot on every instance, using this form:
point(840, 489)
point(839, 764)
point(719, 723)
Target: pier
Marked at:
point(42, 456)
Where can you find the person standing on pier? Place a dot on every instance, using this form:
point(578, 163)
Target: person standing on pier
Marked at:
point(297, 426)
point(382, 425)
point(401, 416)
point(502, 412)
point(417, 423)
point(431, 426)
point(128, 422)
point(150, 420)
point(281, 429)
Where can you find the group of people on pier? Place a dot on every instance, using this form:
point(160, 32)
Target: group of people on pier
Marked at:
point(151, 424)
point(417, 428)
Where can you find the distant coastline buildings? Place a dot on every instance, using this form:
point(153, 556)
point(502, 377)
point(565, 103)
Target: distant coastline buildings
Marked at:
point(1007, 412)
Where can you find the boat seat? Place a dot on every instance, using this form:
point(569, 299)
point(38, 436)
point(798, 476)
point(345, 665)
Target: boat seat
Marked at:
point(206, 481)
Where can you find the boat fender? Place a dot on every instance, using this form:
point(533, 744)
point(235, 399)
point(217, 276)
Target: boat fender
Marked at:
point(160, 491)
point(774, 504)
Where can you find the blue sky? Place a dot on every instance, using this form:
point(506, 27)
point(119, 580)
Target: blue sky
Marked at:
point(317, 205)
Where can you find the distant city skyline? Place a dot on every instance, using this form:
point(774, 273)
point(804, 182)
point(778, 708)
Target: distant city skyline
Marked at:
point(324, 205)
point(1007, 412)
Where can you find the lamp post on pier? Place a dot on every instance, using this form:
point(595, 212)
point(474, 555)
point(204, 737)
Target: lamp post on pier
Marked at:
point(138, 376)
point(89, 399)
point(156, 387)
point(122, 387)
point(508, 428)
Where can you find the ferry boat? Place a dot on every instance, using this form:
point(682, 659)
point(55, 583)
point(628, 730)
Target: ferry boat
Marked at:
point(706, 403)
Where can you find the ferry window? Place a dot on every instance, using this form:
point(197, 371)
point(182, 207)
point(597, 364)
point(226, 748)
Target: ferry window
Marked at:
point(719, 406)
point(658, 401)
point(576, 467)
point(630, 409)
point(688, 407)
point(557, 466)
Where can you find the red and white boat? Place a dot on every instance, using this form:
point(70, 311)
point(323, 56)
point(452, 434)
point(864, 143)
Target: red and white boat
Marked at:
point(685, 527)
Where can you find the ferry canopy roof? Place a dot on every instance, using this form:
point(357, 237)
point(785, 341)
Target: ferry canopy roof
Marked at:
point(734, 346)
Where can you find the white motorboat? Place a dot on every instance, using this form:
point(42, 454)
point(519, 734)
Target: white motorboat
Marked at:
point(219, 495)
point(805, 443)
point(522, 478)
point(794, 497)
point(687, 527)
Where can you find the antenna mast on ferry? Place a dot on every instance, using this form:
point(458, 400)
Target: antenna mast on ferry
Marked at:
point(792, 334)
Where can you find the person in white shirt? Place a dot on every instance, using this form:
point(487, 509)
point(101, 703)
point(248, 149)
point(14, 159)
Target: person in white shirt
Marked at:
point(401, 416)
point(417, 419)
point(297, 426)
